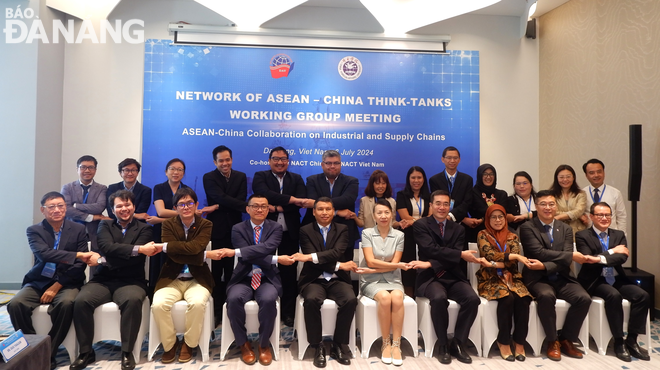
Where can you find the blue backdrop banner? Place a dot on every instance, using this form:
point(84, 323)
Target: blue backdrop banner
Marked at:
point(386, 111)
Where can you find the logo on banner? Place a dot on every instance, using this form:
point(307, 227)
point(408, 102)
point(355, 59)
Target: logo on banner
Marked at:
point(281, 65)
point(350, 68)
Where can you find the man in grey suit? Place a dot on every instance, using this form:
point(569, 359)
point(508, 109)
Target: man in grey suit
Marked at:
point(548, 245)
point(86, 199)
point(60, 253)
point(256, 276)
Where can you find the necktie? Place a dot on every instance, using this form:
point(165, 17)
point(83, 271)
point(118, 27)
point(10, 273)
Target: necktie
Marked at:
point(324, 231)
point(256, 270)
point(548, 230)
point(85, 192)
point(442, 233)
point(608, 272)
point(451, 180)
point(596, 196)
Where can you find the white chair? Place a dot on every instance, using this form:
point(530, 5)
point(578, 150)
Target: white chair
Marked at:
point(251, 325)
point(328, 321)
point(425, 323)
point(179, 318)
point(489, 325)
point(42, 325)
point(369, 327)
point(106, 325)
point(599, 328)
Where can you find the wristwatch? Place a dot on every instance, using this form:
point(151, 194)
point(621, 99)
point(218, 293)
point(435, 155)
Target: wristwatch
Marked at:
point(98, 260)
point(493, 263)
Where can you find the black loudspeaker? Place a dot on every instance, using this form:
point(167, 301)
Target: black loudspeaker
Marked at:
point(530, 33)
point(635, 174)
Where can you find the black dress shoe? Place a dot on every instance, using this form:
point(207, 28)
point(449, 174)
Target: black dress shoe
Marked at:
point(83, 360)
point(621, 352)
point(288, 321)
point(127, 361)
point(53, 363)
point(443, 354)
point(340, 354)
point(636, 351)
point(457, 349)
point(319, 356)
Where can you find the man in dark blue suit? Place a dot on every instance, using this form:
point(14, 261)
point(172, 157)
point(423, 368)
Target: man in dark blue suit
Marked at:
point(285, 192)
point(60, 252)
point(255, 277)
point(129, 169)
point(342, 189)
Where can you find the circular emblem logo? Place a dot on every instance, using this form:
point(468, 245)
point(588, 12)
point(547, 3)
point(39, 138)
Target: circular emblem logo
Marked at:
point(350, 68)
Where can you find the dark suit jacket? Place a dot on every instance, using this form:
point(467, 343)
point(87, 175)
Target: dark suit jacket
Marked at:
point(230, 197)
point(242, 236)
point(311, 241)
point(461, 192)
point(186, 251)
point(444, 253)
point(513, 208)
point(142, 197)
point(70, 272)
point(536, 244)
point(95, 205)
point(265, 183)
point(120, 266)
point(344, 195)
point(588, 243)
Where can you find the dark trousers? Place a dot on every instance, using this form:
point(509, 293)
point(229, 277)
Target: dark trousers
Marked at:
point(289, 275)
point(613, 296)
point(60, 310)
point(266, 297)
point(547, 292)
point(128, 297)
point(221, 271)
point(314, 294)
point(438, 292)
point(509, 309)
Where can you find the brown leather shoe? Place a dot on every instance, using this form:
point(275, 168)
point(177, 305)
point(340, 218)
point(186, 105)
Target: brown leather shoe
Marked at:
point(554, 352)
point(186, 353)
point(170, 355)
point(265, 357)
point(569, 349)
point(247, 354)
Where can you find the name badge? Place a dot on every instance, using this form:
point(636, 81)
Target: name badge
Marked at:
point(49, 270)
point(13, 345)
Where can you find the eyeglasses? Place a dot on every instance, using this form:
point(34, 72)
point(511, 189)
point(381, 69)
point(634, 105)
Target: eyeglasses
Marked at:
point(441, 204)
point(452, 158)
point(185, 205)
point(603, 215)
point(547, 205)
point(332, 163)
point(85, 168)
point(524, 183)
point(175, 169)
point(126, 171)
point(52, 207)
point(569, 177)
point(258, 208)
point(488, 174)
point(280, 159)
point(497, 217)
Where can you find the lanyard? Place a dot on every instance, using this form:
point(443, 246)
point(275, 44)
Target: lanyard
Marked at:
point(528, 206)
point(419, 206)
point(591, 193)
point(499, 271)
point(450, 185)
point(57, 238)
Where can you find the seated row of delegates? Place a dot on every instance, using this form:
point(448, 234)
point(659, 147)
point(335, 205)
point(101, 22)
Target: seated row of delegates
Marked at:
point(571, 200)
point(412, 204)
point(521, 206)
point(380, 277)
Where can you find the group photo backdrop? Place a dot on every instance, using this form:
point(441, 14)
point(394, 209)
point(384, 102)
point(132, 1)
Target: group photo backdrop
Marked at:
point(380, 110)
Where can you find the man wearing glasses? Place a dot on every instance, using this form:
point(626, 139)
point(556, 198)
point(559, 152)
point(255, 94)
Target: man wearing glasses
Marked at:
point(185, 275)
point(342, 189)
point(458, 185)
point(607, 279)
point(85, 198)
point(549, 247)
point(285, 192)
point(256, 277)
point(60, 253)
point(129, 169)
